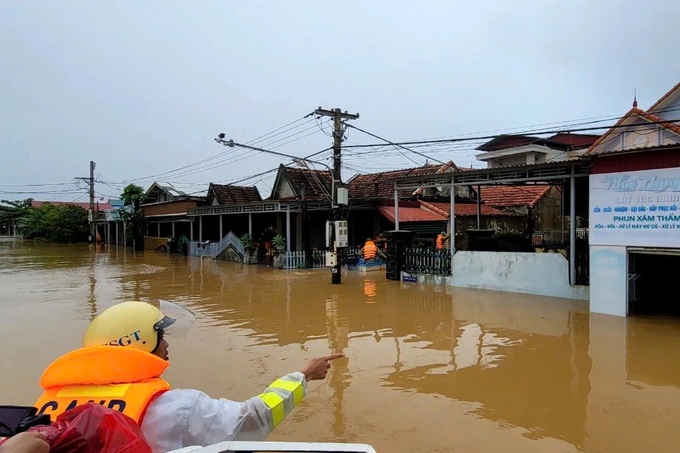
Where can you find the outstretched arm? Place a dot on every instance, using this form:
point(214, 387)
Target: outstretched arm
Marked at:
point(200, 420)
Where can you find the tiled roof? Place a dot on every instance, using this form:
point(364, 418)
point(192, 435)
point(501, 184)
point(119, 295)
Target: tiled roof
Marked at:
point(98, 206)
point(411, 214)
point(462, 209)
point(575, 140)
point(560, 141)
point(314, 182)
point(379, 186)
point(228, 194)
point(506, 196)
point(664, 97)
point(507, 141)
point(632, 112)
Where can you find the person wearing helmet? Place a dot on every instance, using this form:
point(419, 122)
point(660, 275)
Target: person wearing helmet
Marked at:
point(441, 240)
point(120, 365)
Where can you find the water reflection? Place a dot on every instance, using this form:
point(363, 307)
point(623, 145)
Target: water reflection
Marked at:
point(429, 368)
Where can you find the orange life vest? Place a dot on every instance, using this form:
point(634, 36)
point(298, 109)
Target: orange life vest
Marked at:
point(119, 378)
point(440, 242)
point(370, 250)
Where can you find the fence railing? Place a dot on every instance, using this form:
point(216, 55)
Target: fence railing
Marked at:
point(297, 259)
point(427, 261)
point(214, 249)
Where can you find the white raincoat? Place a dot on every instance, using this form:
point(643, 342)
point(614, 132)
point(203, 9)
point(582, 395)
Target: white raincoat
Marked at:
point(184, 417)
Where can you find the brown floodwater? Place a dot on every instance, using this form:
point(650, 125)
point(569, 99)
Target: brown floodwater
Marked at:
point(428, 368)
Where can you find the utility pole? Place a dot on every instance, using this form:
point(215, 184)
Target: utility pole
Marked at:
point(90, 215)
point(93, 226)
point(339, 234)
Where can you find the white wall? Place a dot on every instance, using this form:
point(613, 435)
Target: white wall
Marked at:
point(545, 274)
point(608, 280)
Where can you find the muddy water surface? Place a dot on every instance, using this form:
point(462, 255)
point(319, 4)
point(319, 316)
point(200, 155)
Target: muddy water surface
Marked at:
point(428, 369)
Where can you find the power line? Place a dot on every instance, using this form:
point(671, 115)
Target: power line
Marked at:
point(490, 137)
point(392, 143)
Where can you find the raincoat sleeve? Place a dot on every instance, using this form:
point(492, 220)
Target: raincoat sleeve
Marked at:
point(179, 418)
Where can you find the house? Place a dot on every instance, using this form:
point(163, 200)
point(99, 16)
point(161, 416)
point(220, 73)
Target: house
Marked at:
point(372, 197)
point(165, 211)
point(508, 150)
point(541, 205)
point(227, 214)
point(297, 208)
point(635, 211)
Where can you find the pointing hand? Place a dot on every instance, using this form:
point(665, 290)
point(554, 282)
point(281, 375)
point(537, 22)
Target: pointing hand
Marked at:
point(317, 368)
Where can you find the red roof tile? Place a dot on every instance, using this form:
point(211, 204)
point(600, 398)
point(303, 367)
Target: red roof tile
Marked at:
point(411, 214)
point(559, 141)
point(664, 97)
point(632, 112)
point(462, 209)
point(317, 183)
point(379, 186)
point(98, 206)
point(507, 141)
point(507, 196)
point(228, 194)
point(575, 140)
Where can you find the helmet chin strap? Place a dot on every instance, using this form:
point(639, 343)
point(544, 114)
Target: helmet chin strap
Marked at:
point(159, 337)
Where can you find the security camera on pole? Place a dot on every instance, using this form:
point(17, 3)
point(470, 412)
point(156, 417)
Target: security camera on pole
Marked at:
point(336, 231)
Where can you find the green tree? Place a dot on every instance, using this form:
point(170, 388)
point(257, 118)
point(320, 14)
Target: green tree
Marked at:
point(132, 194)
point(12, 213)
point(65, 223)
point(134, 221)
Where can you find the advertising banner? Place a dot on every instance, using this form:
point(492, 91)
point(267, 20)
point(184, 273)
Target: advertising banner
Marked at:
point(637, 208)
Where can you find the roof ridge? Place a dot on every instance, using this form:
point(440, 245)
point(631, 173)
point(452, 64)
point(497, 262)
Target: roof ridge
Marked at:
point(433, 208)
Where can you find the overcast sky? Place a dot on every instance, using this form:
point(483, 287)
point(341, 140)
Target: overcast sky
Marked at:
point(143, 87)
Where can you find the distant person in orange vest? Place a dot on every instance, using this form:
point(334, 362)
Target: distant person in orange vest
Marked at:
point(370, 250)
point(441, 240)
point(120, 365)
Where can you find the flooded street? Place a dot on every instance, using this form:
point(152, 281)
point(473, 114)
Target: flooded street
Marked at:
point(428, 368)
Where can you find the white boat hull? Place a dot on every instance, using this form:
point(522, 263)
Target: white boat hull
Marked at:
point(301, 447)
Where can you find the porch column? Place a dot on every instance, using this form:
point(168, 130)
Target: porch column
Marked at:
point(562, 209)
point(200, 228)
point(124, 235)
point(452, 222)
point(479, 207)
point(117, 234)
point(396, 207)
point(288, 229)
point(191, 229)
point(572, 228)
point(221, 234)
point(250, 224)
point(173, 228)
point(108, 232)
point(158, 227)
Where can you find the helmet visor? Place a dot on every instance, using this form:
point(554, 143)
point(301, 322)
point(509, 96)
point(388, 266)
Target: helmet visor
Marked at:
point(176, 319)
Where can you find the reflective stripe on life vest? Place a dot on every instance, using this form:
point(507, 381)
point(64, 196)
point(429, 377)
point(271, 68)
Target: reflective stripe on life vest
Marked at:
point(130, 399)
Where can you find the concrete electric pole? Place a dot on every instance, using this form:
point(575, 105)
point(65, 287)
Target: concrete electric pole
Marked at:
point(90, 214)
point(339, 227)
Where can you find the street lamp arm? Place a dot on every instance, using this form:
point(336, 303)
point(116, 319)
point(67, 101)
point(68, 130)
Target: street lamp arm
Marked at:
point(232, 143)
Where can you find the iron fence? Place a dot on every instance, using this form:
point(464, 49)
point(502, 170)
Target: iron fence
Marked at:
point(427, 261)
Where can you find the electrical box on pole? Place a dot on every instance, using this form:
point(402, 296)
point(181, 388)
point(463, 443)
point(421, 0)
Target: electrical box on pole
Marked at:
point(341, 236)
point(337, 238)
